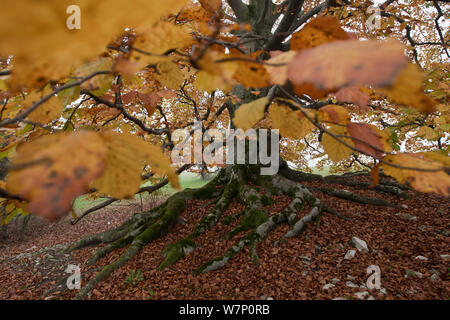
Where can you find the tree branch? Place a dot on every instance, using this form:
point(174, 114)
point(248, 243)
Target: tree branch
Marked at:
point(293, 8)
point(240, 9)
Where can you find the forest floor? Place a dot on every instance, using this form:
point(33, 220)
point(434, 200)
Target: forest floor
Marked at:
point(408, 242)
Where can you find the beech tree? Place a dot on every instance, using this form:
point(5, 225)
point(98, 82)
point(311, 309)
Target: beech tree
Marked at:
point(94, 95)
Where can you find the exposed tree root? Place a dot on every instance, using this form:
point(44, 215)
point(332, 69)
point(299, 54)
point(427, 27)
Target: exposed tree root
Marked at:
point(241, 182)
point(384, 185)
point(347, 195)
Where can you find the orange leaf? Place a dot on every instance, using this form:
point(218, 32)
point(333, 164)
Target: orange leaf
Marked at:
point(375, 173)
point(317, 32)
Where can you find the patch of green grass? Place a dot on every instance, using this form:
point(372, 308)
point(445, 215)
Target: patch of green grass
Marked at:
point(134, 277)
point(187, 180)
point(151, 294)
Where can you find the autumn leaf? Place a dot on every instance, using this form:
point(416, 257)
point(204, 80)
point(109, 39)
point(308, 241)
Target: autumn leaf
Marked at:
point(129, 97)
point(127, 68)
point(317, 32)
point(196, 17)
point(335, 150)
point(436, 156)
point(354, 95)
point(52, 49)
point(100, 84)
point(69, 95)
point(54, 169)
point(277, 66)
point(126, 156)
point(292, 124)
point(162, 37)
point(408, 89)
point(310, 90)
point(248, 114)
point(369, 139)
point(169, 75)
point(346, 63)
point(251, 75)
point(428, 133)
point(425, 181)
point(46, 112)
point(214, 75)
point(149, 101)
point(333, 114)
point(212, 6)
point(375, 174)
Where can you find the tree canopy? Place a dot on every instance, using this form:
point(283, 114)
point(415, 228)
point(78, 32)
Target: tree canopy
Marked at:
point(350, 85)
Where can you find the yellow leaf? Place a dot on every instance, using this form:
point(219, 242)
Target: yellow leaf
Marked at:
point(205, 81)
point(292, 124)
point(428, 133)
point(215, 75)
point(126, 157)
point(3, 85)
point(335, 150)
point(407, 90)
point(251, 74)
point(424, 181)
point(101, 83)
point(45, 48)
point(46, 112)
point(162, 37)
point(436, 156)
point(248, 114)
point(169, 75)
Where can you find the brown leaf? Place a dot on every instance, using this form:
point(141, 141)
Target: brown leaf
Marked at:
point(54, 169)
point(346, 63)
point(354, 95)
point(150, 101)
point(368, 139)
point(310, 90)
